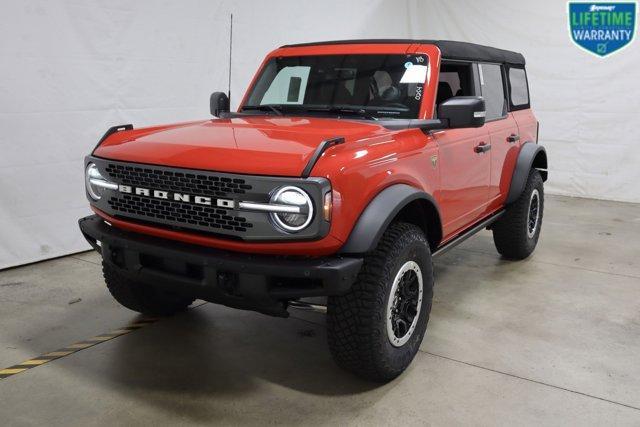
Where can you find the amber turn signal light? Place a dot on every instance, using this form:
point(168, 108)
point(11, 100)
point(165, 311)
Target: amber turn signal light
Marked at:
point(327, 206)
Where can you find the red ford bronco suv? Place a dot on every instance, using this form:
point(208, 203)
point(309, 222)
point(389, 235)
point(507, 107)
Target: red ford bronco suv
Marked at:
point(347, 167)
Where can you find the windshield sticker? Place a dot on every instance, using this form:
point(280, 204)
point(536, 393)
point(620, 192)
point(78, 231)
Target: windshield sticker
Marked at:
point(414, 74)
point(418, 95)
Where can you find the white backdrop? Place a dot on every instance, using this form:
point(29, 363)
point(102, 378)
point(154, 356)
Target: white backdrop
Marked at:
point(588, 107)
point(70, 69)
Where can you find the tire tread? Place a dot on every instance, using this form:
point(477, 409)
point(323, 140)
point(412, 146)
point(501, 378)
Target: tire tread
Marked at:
point(509, 232)
point(354, 320)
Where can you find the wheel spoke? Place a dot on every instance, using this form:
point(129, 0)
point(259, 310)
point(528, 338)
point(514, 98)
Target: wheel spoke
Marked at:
point(401, 327)
point(533, 213)
point(404, 304)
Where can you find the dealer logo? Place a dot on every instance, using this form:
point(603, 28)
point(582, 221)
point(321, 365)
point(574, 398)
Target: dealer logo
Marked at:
point(602, 28)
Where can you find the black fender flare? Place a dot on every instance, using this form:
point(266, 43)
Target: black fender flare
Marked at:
point(530, 152)
point(379, 213)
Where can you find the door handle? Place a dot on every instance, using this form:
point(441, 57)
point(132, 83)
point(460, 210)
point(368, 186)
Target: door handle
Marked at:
point(513, 138)
point(483, 147)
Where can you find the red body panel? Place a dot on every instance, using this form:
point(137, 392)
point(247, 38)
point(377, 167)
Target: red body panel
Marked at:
point(466, 185)
point(503, 158)
point(464, 177)
point(260, 145)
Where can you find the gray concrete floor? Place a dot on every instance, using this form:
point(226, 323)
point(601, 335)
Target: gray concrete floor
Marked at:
point(551, 340)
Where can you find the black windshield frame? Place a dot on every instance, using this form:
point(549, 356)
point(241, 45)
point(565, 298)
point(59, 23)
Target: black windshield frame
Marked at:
point(373, 86)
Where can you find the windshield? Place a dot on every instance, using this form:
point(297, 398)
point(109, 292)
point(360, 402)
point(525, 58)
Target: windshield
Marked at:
point(373, 86)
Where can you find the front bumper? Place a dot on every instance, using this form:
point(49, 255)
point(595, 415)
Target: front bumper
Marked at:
point(262, 283)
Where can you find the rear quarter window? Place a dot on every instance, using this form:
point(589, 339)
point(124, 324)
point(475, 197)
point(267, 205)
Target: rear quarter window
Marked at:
point(518, 88)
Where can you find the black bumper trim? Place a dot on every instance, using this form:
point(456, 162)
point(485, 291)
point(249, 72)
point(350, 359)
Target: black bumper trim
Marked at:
point(257, 282)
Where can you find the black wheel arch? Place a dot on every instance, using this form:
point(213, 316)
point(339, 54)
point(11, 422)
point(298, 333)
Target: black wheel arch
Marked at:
point(396, 202)
point(532, 155)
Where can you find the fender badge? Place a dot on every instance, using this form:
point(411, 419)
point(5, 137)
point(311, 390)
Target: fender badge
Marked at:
point(434, 161)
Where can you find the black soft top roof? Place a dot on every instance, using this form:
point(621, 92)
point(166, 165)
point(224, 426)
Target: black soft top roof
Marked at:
point(450, 49)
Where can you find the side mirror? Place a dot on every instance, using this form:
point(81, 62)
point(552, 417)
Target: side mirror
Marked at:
point(463, 112)
point(219, 103)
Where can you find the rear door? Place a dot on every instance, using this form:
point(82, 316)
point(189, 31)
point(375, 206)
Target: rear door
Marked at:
point(519, 103)
point(503, 132)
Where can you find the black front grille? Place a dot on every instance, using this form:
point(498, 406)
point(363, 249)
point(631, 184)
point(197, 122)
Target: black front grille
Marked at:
point(178, 213)
point(201, 201)
point(184, 182)
point(184, 213)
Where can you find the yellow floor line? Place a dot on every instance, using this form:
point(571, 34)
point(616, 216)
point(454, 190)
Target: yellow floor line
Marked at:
point(59, 353)
point(74, 348)
point(81, 345)
point(34, 362)
point(12, 371)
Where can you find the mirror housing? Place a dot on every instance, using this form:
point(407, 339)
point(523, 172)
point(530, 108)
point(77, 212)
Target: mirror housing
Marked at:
point(455, 112)
point(219, 104)
point(463, 112)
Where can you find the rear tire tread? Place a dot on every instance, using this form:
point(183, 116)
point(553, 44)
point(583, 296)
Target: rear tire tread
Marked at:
point(510, 232)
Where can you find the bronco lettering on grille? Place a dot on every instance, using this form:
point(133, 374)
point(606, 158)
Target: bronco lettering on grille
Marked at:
point(177, 197)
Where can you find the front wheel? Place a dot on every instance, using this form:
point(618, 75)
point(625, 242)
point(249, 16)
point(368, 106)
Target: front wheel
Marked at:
point(516, 233)
point(375, 330)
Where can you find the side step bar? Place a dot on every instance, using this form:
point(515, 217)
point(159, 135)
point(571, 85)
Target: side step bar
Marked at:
point(319, 308)
point(465, 235)
point(306, 306)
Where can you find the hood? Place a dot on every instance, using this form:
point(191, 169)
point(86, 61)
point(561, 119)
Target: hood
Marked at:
point(262, 145)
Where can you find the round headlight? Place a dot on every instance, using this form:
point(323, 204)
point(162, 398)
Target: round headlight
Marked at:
point(292, 196)
point(95, 182)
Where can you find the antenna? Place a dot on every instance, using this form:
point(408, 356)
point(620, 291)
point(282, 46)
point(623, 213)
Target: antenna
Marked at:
point(230, 52)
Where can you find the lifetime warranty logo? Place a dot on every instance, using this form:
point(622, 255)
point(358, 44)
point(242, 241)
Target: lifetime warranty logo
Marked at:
point(602, 28)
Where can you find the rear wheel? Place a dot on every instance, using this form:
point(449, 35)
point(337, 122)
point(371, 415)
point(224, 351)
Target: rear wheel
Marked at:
point(375, 330)
point(516, 233)
point(142, 297)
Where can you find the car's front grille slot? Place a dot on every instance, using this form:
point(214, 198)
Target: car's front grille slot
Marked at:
point(178, 213)
point(192, 183)
point(183, 213)
point(202, 201)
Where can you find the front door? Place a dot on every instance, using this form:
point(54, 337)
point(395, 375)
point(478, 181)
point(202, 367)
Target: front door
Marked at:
point(464, 155)
point(465, 162)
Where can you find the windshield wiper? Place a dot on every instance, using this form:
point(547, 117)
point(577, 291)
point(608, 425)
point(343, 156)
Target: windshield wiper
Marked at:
point(265, 107)
point(360, 112)
point(281, 109)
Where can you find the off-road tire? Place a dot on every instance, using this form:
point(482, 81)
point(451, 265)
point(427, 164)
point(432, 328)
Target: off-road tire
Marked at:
point(141, 297)
point(357, 321)
point(511, 231)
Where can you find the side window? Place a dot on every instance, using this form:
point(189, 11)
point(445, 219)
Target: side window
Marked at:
point(518, 88)
point(492, 90)
point(455, 80)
